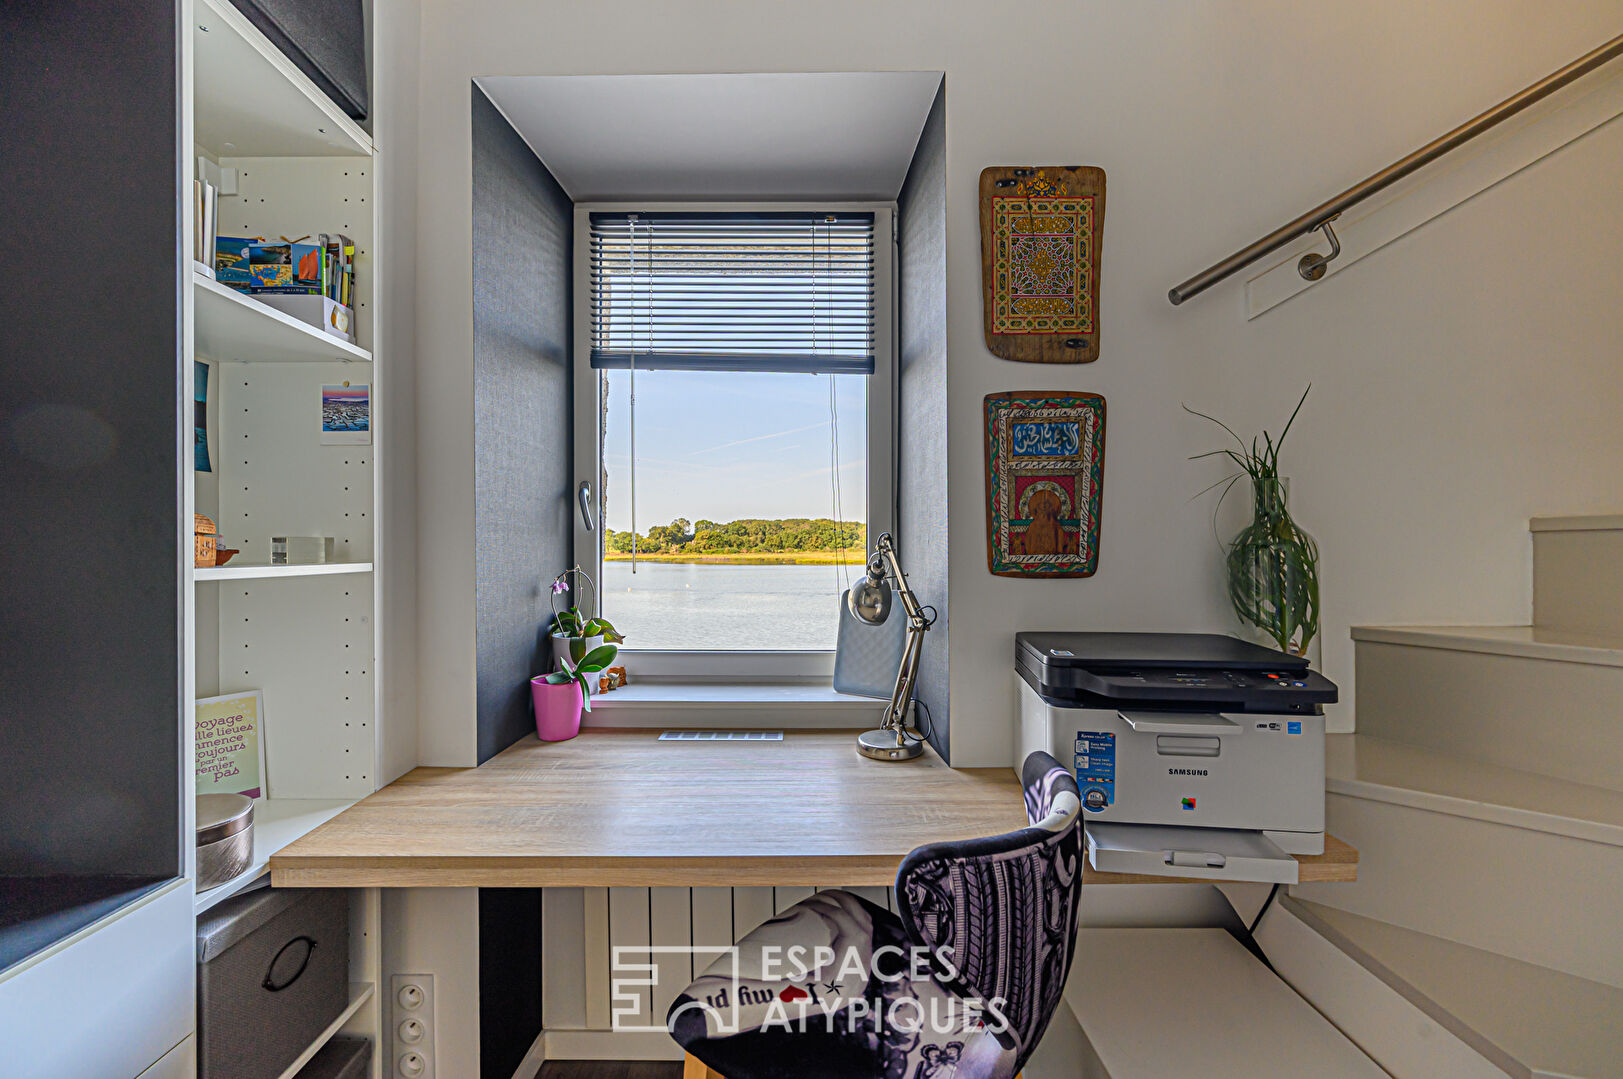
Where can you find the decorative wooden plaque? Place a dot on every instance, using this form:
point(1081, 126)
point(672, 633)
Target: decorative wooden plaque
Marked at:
point(1041, 227)
point(1045, 463)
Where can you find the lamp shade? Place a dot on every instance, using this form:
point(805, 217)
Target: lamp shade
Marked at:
point(869, 600)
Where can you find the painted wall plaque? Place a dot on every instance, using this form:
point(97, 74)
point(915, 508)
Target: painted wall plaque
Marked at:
point(1045, 462)
point(1041, 228)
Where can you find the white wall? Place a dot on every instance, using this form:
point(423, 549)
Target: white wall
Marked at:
point(1464, 377)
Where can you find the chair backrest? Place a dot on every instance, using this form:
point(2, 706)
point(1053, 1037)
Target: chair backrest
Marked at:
point(1006, 906)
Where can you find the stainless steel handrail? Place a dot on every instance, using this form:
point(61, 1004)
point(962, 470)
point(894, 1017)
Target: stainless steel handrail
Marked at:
point(1325, 212)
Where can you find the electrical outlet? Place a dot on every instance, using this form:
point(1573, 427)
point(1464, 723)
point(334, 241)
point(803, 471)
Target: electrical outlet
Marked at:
point(411, 1026)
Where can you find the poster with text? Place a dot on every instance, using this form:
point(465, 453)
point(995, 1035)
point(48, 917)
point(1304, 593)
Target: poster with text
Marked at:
point(230, 749)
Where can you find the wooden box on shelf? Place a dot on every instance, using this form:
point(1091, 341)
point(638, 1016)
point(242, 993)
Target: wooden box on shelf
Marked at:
point(206, 540)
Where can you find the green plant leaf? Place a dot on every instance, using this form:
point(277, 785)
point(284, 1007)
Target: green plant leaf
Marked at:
point(1294, 411)
point(559, 678)
point(577, 649)
point(598, 658)
point(1219, 423)
point(585, 692)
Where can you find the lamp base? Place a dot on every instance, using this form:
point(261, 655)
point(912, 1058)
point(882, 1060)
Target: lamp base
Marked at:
point(884, 745)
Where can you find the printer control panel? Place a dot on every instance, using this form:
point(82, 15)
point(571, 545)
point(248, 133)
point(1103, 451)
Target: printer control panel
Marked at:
point(1247, 680)
point(1260, 690)
point(1168, 672)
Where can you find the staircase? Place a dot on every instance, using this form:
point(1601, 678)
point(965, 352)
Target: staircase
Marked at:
point(1484, 790)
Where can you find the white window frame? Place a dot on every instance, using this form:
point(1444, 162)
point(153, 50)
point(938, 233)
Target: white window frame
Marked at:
point(738, 665)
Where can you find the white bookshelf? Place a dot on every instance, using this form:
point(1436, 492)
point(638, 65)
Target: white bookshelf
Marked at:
point(360, 995)
point(306, 636)
point(252, 100)
point(277, 822)
point(234, 328)
point(252, 571)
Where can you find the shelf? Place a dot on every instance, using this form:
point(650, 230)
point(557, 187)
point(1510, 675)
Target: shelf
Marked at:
point(248, 571)
point(359, 994)
point(1378, 770)
point(277, 822)
point(237, 328)
point(251, 101)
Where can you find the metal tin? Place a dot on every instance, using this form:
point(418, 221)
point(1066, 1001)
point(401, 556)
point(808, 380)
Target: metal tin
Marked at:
point(225, 838)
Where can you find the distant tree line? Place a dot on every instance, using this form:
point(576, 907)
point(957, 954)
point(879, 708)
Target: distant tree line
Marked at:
point(750, 536)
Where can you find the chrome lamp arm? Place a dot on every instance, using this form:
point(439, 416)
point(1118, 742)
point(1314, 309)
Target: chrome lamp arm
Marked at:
point(870, 602)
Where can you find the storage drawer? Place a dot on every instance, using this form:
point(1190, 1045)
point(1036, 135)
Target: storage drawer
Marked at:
point(272, 973)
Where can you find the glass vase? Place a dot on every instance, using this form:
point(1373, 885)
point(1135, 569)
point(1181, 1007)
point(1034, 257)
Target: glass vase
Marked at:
point(1273, 574)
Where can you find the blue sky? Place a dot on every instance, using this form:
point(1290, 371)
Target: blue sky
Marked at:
point(724, 446)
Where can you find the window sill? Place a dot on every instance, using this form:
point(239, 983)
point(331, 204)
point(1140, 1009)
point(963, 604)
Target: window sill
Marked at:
point(731, 706)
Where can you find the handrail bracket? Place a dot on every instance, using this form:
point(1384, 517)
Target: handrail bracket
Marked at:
point(1312, 266)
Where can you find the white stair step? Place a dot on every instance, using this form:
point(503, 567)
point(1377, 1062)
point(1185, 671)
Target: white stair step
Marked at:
point(1364, 766)
point(1156, 1003)
point(1527, 1019)
point(1578, 573)
point(1523, 642)
point(1512, 862)
point(1521, 697)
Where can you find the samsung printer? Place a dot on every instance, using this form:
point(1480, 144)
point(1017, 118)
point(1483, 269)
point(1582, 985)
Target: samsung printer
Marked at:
point(1196, 755)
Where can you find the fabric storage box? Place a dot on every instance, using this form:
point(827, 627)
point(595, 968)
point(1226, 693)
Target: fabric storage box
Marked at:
point(272, 973)
point(344, 1057)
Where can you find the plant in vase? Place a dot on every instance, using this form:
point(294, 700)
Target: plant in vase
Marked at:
point(561, 697)
point(1272, 565)
point(571, 628)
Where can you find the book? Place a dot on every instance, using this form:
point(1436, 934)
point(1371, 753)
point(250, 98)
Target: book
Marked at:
point(205, 204)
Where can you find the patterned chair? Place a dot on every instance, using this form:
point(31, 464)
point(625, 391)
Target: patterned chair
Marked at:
point(959, 985)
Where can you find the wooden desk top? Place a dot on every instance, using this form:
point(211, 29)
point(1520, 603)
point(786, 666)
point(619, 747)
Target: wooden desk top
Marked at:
point(618, 807)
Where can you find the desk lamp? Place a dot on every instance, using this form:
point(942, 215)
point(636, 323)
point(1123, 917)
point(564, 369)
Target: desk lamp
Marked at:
point(869, 602)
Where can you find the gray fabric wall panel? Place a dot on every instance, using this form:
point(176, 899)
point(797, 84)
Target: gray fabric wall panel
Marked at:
point(922, 524)
point(522, 247)
point(522, 250)
point(90, 440)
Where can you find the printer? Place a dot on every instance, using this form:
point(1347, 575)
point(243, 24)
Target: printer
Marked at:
point(1197, 755)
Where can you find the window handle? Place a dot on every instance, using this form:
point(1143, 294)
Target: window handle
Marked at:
point(584, 493)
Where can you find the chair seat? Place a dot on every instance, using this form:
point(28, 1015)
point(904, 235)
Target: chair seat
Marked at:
point(831, 988)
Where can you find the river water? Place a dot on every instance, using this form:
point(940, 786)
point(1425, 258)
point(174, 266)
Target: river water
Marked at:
point(709, 606)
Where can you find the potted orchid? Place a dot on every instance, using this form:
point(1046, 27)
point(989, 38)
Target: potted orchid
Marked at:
point(561, 697)
point(574, 634)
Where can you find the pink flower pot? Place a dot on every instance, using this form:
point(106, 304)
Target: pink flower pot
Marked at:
point(557, 709)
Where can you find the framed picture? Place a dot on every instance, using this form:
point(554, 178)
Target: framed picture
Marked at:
point(230, 748)
point(200, 417)
point(1045, 462)
point(346, 415)
point(1041, 231)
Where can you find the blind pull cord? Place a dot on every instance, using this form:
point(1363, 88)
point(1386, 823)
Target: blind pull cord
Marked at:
point(632, 363)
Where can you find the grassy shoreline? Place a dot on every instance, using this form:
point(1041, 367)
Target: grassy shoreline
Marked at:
point(850, 556)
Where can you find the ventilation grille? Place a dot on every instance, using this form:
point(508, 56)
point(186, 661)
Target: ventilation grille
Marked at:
point(721, 736)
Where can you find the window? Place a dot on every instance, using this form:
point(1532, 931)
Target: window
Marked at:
point(734, 386)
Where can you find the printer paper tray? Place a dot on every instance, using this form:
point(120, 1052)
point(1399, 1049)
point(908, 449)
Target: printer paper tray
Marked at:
point(1205, 853)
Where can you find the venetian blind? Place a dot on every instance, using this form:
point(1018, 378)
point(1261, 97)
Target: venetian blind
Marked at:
point(733, 292)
